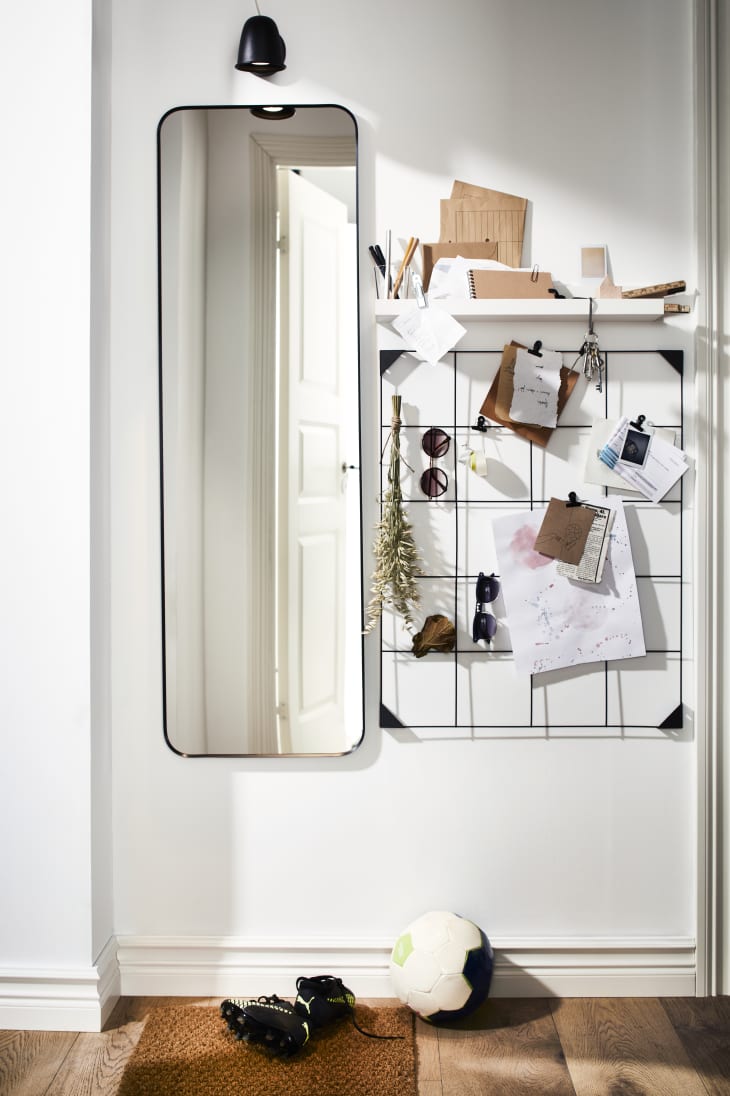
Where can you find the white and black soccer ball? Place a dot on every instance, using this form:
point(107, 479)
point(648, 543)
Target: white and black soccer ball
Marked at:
point(441, 966)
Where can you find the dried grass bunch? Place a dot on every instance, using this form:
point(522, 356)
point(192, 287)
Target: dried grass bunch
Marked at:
point(394, 581)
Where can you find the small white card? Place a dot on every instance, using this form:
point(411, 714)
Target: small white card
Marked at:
point(429, 332)
point(536, 386)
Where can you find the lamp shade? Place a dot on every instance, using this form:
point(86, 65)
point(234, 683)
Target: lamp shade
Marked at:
point(273, 114)
point(262, 48)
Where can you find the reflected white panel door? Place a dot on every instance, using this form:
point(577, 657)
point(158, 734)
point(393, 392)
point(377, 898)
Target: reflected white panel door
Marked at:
point(314, 272)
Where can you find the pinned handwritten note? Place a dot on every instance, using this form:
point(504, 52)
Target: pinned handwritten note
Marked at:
point(564, 531)
point(535, 387)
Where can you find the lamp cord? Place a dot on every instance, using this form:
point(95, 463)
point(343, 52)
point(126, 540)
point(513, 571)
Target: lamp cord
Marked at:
point(258, 9)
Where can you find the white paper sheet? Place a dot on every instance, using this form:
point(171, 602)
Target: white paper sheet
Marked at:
point(598, 472)
point(663, 466)
point(430, 332)
point(450, 276)
point(535, 387)
point(555, 622)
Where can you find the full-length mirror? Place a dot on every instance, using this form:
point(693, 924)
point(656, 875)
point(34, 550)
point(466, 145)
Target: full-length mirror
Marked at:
point(260, 445)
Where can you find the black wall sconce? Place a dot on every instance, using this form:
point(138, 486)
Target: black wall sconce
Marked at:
point(262, 48)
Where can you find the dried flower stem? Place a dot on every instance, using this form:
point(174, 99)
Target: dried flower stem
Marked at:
point(397, 560)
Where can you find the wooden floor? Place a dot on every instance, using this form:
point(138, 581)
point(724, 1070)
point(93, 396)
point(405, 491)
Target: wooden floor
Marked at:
point(510, 1047)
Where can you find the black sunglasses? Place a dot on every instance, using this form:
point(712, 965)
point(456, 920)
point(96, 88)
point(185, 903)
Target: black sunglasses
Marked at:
point(435, 444)
point(485, 625)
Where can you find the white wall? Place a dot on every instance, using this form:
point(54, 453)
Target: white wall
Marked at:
point(586, 109)
point(54, 729)
point(582, 106)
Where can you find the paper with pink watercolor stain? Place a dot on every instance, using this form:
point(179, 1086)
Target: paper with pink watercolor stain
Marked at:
point(555, 621)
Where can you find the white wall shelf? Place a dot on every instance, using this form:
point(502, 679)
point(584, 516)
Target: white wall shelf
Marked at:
point(565, 311)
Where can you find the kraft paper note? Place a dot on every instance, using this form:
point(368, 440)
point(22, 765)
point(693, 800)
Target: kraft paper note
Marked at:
point(564, 531)
point(498, 401)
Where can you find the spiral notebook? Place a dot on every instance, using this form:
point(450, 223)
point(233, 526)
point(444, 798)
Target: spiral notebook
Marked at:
point(484, 284)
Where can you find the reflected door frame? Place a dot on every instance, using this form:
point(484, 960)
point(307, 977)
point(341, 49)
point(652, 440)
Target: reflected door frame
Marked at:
point(268, 153)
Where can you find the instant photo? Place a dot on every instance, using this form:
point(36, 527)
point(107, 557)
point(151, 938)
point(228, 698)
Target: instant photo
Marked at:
point(636, 447)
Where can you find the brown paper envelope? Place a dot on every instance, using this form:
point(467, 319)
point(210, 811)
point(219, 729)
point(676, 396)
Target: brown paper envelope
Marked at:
point(500, 218)
point(540, 435)
point(498, 198)
point(488, 284)
point(564, 531)
point(431, 253)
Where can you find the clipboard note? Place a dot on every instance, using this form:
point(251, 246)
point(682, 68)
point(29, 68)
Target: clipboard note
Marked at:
point(535, 387)
point(564, 531)
point(498, 401)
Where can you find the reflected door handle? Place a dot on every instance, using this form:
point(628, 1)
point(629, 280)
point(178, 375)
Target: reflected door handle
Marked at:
point(345, 468)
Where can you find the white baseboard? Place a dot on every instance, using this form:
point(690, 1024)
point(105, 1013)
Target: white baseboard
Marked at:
point(228, 966)
point(77, 999)
point(81, 999)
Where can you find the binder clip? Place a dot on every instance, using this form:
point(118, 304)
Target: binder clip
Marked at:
point(476, 461)
point(536, 349)
point(639, 424)
point(572, 499)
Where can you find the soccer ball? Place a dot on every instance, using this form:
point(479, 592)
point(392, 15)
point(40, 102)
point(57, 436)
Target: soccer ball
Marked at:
point(441, 966)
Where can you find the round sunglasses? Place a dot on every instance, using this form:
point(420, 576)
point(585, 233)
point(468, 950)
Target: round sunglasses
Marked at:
point(435, 444)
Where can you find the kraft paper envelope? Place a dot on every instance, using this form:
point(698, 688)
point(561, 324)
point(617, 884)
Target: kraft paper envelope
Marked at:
point(431, 253)
point(460, 189)
point(488, 215)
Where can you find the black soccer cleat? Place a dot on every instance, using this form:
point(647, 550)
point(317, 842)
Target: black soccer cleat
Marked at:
point(323, 998)
point(266, 1020)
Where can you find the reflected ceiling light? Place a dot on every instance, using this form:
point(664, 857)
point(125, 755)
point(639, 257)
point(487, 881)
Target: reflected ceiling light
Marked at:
point(262, 48)
point(273, 113)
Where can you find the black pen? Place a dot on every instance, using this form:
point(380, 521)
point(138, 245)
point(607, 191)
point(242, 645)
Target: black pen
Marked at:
point(378, 258)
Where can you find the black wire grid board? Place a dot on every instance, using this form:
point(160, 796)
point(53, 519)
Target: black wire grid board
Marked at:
point(476, 685)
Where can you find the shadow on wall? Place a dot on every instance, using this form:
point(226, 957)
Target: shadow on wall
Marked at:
point(515, 88)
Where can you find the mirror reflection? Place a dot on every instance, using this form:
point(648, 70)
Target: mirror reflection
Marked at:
point(260, 450)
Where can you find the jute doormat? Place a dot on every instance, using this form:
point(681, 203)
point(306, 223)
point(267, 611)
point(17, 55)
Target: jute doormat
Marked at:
point(188, 1051)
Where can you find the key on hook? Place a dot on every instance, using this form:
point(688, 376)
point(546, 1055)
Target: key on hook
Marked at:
point(590, 354)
